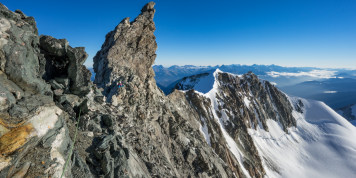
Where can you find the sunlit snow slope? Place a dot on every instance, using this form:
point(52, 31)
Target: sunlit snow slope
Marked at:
point(322, 144)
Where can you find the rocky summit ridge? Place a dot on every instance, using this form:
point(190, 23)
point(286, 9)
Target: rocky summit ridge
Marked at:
point(136, 130)
point(139, 132)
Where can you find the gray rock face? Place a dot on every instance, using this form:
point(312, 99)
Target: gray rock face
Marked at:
point(19, 52)
point(9, 92)
point(128, 49)
point(32, 128)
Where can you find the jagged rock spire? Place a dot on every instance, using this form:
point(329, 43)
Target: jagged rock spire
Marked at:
point(128, 50)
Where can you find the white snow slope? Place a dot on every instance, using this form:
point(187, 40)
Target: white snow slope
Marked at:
point(202, 84)
point(322, 145)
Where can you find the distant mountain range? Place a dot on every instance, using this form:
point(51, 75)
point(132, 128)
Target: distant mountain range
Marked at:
point(335, 87)
point(165, 76)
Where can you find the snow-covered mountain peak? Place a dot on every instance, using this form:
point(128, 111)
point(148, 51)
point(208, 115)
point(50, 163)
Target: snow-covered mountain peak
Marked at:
point(204, 82)
point(262, 132)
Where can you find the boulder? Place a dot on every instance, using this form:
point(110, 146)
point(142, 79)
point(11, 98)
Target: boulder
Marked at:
point(19, 52)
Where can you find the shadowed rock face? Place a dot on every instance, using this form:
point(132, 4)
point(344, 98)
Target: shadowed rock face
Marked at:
point(202, 106)
point(63, 61)
point(347, 112)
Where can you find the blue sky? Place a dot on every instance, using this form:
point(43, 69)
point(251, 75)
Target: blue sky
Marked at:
point(320, 33)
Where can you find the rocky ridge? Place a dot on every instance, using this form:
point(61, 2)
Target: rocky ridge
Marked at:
point(139, 134)
point(233, 105)
point(166, 140)
point(348, 112)
point(133, 131)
